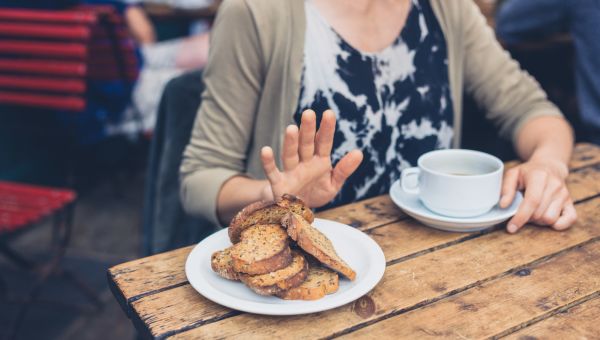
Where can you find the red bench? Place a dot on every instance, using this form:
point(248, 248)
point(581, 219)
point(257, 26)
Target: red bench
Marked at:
point(22, 206)
point(47, 57)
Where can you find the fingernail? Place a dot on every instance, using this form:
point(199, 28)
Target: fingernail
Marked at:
point(512, 228)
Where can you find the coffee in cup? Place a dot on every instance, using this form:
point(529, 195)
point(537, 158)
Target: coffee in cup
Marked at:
point(455, 183)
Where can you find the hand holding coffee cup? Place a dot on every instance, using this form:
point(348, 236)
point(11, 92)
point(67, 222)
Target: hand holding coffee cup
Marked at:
point(455, 183)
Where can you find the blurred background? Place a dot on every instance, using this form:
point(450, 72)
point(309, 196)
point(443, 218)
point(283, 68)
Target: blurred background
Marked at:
point(96, 102)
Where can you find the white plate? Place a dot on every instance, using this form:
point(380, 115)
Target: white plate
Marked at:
point(355, 247)
point(412, 206)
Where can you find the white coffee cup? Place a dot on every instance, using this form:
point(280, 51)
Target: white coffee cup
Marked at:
point(455, 183)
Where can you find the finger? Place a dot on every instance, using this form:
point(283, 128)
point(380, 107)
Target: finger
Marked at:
point(556, 206)
point(307, 135)
point(533, 196)
point(509, 187)
point(268, 161)
point(568, 217)
point(346, 167)
point(289, 153)
point(324, 138)
point(551, 216)
point(551, 193)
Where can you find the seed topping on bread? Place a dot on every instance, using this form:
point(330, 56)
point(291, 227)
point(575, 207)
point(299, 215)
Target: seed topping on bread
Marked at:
point(319, 282)
point(267, 212)
point(276, 251)
point(263, 248)
point(280, 280)
point(222, 264)
point(314, 242)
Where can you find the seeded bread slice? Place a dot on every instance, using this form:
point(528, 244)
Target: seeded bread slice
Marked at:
point(222, 264)
point(319, 282)
point(267, 212)
point(263, 249)
point(280, 280)
point(316, 243)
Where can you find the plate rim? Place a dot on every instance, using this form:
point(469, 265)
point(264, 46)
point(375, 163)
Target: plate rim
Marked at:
point(370, 281)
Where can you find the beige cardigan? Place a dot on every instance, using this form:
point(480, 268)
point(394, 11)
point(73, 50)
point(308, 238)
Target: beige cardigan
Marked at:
point(252, 83)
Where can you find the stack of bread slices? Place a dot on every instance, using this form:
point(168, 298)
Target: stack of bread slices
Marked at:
point(276, 251)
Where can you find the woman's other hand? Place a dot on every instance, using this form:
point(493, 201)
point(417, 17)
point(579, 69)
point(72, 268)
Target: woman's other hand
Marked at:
point(306, 157)
point(547, 200)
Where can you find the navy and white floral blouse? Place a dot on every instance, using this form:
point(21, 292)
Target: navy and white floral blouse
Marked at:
point(394, 104)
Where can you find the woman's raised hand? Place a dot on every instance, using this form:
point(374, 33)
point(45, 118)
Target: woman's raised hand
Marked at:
point(306, 157)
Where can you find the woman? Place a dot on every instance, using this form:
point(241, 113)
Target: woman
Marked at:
point(393, 71)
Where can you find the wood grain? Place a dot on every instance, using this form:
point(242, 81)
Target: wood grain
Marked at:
point(136, 278)
point(165, 270)
point(584, 182)
point(176, 309)
point(398, 239)
point(144, 276)
point(578, 322)
point(408, 238)
point(366, 214)
point(584, 154)
point(164, 304)
point(491, 308)
point(418, 281)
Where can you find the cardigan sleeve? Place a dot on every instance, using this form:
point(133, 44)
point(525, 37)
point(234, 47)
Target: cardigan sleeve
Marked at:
point(222, 130)
point(510, 95)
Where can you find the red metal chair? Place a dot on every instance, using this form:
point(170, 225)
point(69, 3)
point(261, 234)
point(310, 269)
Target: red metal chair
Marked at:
point(48, 57)
point(21, 207)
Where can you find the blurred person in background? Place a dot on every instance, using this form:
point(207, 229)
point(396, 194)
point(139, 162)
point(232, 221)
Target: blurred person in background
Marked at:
point(519, 21)
point(393, 72)
point(161, 60)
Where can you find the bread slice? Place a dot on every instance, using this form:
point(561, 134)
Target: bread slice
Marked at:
point(280, 280)
point(332, 280)
point(222, 264)
point(319, 282)
point(267, 212)
point(316, 243)
point(263, 249)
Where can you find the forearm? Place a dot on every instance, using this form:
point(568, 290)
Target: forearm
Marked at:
point(238, 192)
point(546, 139)
point(139, 25)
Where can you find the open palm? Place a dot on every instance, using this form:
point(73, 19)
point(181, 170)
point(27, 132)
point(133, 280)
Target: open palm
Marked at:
point(306, 157)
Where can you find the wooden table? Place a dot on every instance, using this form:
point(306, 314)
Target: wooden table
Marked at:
point(537, 284)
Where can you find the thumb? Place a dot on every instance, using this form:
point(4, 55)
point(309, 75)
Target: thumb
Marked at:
point(509, 187)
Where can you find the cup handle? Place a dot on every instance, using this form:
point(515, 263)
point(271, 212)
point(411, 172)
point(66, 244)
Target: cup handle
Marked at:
point(406, 173)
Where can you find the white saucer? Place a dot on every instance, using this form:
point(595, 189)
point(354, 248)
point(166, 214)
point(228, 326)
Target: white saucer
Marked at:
point(412, 206)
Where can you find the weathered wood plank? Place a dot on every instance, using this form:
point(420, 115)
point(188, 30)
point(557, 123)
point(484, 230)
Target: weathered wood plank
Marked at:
point(366, 214)
point(139, 277)
point(398, 239)
point(579, 322)
point(162, 316)
point(409, 237)
point(418, 281)
point(584, 182)
point(175, 310)
point(401, 240)
point(149, 274)
point(495, 306)
point(584, 154)
point(164, 270)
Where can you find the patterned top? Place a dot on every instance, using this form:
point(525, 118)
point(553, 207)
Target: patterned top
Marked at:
point(394, 104)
